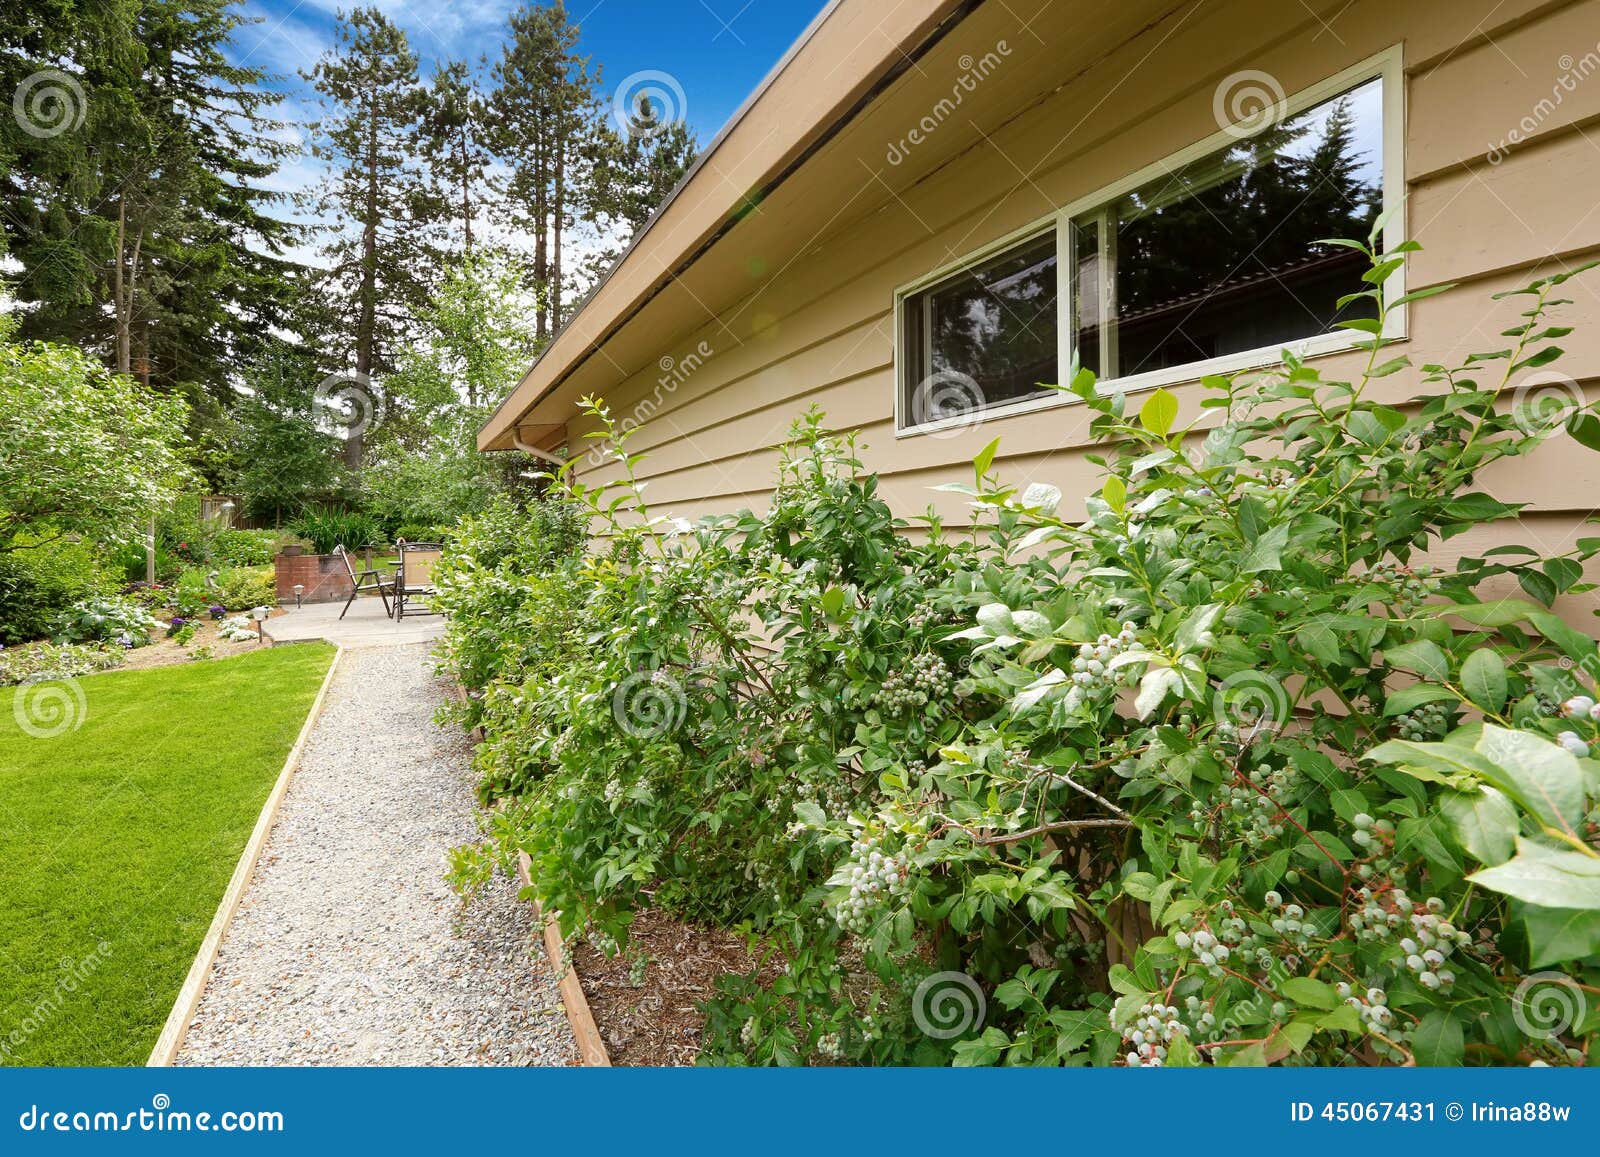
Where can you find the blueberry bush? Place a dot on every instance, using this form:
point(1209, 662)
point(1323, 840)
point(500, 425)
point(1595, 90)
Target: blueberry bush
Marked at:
point(1234, 770)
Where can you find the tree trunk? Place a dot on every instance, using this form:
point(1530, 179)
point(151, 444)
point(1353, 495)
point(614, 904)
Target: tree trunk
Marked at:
point(541, 244)
point(118, 278)
point(560, 194)
point(367, 324)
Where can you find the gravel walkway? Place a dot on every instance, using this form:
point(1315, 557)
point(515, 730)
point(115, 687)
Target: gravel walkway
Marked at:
point(349, 948)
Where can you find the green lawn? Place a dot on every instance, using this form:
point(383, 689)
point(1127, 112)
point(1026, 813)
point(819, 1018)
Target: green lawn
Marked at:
point(117, 840)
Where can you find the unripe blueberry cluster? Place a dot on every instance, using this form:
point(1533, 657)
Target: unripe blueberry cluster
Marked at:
point(925, 678)
point(1430, 721)
point(1373, 1005)
point(926, 615)
point(874, 879)
point(1368, 834)
point(830, 1046)
point(1214, 945)
point(1091, 672)
point(1289, 921)
point(1156, 1026)
point(1254, 810)
point(1412, 585)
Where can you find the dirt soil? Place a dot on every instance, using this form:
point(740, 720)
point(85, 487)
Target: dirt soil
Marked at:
point(163, 652)
point(656, 1022)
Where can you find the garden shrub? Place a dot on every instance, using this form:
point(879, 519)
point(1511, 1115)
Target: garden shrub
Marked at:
point(244, 547)
point(243, 588)
point(40, 662)
point(113, 619)
point(327, 527)
point(40, 581)
point(1225, 773)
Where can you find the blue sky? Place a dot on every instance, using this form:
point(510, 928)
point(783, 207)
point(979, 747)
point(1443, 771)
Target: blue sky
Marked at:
point(717, 50)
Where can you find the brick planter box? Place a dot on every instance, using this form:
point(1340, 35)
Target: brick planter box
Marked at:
point(323, 575)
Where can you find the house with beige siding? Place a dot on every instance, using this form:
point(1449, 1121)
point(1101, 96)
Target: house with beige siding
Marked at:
point(931, 207)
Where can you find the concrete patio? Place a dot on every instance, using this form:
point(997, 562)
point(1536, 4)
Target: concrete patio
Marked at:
point(365, 625)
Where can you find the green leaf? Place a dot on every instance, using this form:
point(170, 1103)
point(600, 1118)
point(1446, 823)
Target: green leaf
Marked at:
point(985, 459)
point(1158, 413)
point(985, 1050)
point(1423, 657)
point(1544, 776)
point(1438, 1040)
point(1556, 935)
point(1483, 677)
point(1115, 492)
point(1498, 613)
point(1484, 822)
point(1410, 698)
point(1311, 993)
point(1153, 689)
point(1266, 552)
point(1548, 877)
point(833, 601)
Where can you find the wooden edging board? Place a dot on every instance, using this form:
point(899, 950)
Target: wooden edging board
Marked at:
point(591, 1048)
point(183, 1009)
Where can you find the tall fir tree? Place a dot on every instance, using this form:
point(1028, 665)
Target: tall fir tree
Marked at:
point(380, 257)
point(545, 124)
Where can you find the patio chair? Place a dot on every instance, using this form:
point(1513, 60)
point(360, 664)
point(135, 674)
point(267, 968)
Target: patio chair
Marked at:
point(366, 579)
point(414, 577)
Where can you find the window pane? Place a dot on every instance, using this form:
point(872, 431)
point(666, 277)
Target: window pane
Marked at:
point(984, 337)
point(1088, 295)
point(1218, 257)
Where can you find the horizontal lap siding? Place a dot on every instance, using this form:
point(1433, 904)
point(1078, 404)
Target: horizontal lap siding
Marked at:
point(821, 333)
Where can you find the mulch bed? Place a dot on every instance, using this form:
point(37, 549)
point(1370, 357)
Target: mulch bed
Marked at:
point(163, 652)
point(656, 1022)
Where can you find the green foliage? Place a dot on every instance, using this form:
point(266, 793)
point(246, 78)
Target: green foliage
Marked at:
point(81, 451)
point(244, 547)
point(242, 588)
point(1216, 770)
point(36, 662)
point(327, 527)
point(107, 620)
point(41, 580)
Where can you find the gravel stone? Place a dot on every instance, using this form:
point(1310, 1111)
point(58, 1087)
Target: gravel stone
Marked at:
point(349, 948)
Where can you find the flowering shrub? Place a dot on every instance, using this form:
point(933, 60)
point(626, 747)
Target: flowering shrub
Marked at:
point(1224, 773)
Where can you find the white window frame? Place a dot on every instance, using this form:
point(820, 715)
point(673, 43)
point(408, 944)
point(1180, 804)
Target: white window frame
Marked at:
point(1385, 65)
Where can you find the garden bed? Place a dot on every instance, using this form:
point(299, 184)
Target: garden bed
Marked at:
point(651, 1015)
point(166, 652)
